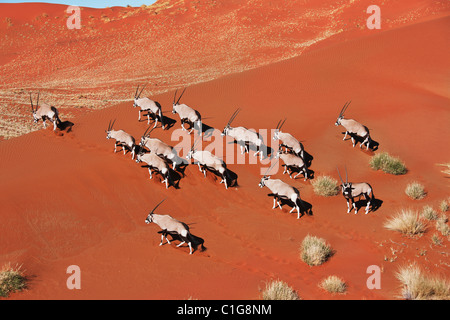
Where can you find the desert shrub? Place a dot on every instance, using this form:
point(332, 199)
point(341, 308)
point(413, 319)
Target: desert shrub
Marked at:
point(444, 206)
point(333, 284)
point(406, 222)
point(387, 163)
point(436, 240)
point(415, 191)
point(279, 290)
point(428, 213)
point(11, 280)
point(442, 226)
point(314, 251)
point(325, 186)
point(420, 287)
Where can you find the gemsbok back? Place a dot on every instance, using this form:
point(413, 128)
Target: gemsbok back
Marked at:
point(170, 225)
point(281, 190)
point(186, 113)
point(243, 136)
point(159, 147)
point(351, 190)
point(353, 127)
point(44, 112)
point(288, 141)
point(122, 138)
point(206, 160)
point(152, 107)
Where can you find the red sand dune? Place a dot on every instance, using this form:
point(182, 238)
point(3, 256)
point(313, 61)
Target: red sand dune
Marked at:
point(67, 199)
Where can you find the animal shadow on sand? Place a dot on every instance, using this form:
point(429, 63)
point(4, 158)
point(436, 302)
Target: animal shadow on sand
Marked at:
point(168, 122)
point(373, 145)
point(268, 154)
point(305, 207)
point(174, 176)
point(294, 171)
point(195, 241)
point(231, 178)
point(64, 127)
point(375, 204)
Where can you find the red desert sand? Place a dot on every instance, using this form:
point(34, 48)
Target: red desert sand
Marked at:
point(68, 199)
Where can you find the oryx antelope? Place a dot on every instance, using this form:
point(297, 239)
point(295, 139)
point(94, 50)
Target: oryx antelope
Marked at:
point(157, 163)
point(281, 190)
point(288, 141)
point(158, 147)
point(353, 127)
point(244, 136)
point(351, 190)
point(186, 113)
point(206, 160)
point(122, 138)
point(146, 104)
point(292, 161)
point(44, 112)
point(170, 225)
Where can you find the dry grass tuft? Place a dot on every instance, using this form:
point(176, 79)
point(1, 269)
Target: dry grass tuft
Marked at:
point(415, 191)
point(11, 279)
point(444, 206)
point(314, 251)
point(387, 163)
point(429, 213)
point(279, 290)
point(333, 284)
point(442, 226)
point(420, 287)
point(325, 186)
point(406, 222)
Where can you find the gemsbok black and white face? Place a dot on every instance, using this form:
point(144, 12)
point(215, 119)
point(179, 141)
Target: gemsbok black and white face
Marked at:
point(228, 126)
point(137, 95)
point(149, 218)
point(34, 110)
point(263, 180)
point(341, 114)
point(174, 111)
point(278, 130)
point(110, 127)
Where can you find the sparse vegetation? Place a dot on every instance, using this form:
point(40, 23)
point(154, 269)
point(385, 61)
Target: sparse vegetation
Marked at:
point(279, 290)
point(407, 222)
point(314, 251)
point(333, 284)
point(325, 186)
point(436, 240)
point(429, 213)
point(420, 287)
point(444, 206)
point(415, 191)
point(446, 167)
point(442, 226)
point(387, 163)
point(11, 279)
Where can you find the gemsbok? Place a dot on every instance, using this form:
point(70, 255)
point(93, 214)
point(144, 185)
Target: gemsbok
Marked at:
point(151, 107)
point(292, 161)
point(351, 190)
point(288, 141)
point(281, 190)
point(206, 160)
point(157, 163)
point(353, 127)
point(170, 225)
point(186, 113)
point(159, 147)
point(122, 138)
point(44, 112)
point(243, 136)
